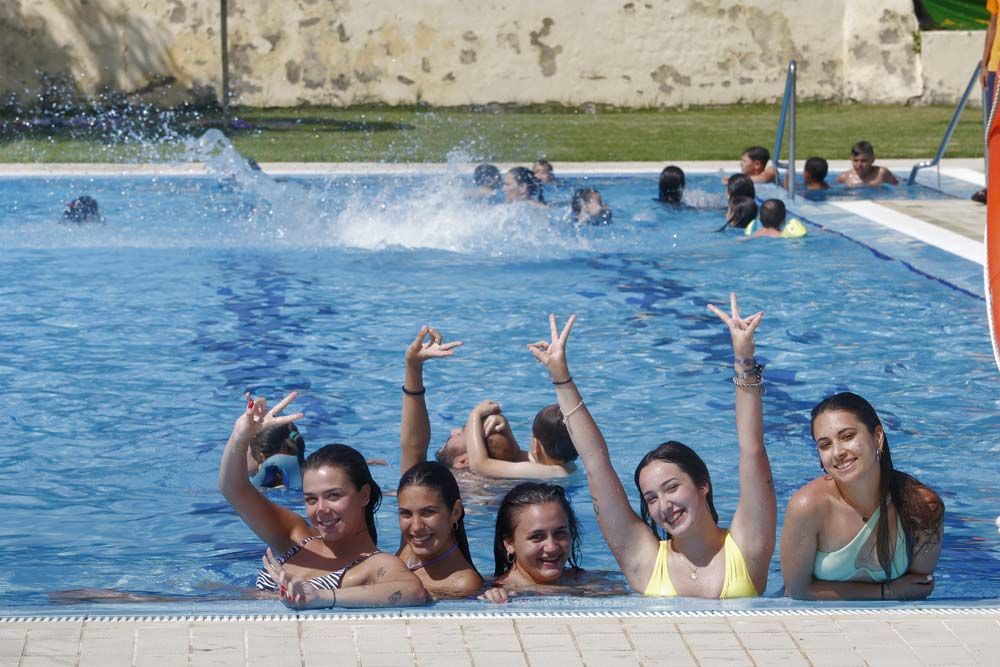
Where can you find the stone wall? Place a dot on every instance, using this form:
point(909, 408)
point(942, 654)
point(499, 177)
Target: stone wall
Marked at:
point(634, 53)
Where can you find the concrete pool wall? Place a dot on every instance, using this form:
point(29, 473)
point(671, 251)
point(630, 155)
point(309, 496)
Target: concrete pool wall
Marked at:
point(632, 53)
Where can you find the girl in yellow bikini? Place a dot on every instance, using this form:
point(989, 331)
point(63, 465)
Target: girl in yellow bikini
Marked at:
point(696, 557)
point(862, 531)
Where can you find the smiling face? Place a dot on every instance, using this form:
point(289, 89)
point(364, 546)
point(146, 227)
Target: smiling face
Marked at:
point(541, 542)
point(426, 522)
point(335, 507)
point(750, 167)
point(847, 449)
point(672, 498)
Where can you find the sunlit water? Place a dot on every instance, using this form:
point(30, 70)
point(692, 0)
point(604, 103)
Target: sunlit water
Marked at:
point(128, 346)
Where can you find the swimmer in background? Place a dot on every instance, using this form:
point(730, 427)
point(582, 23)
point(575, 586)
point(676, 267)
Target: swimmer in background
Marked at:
point(695, 557)
point(754, 165)
point(275, 458)
point(864, 171)
point(863, 530)
point(814, 174)
point(519, 184)
point(740, 185)
point(772, 222)
point(741, 212)
point(551, 454)
point(672, 183)
point(542, 169)
point(82, 210)
point(487, 180)
point(588, 208)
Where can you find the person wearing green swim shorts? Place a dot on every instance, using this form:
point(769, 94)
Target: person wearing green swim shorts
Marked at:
point(864, 530)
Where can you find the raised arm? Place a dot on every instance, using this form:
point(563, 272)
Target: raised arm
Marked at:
point(754, 524)
point(482, 421)
point(632, 542)
point(277, 526)
point(415, 426)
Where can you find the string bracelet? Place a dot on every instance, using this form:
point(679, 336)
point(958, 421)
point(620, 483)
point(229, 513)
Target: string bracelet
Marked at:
point(569, 414)
point(745, 361)
point(408, 392)
point(566, 381)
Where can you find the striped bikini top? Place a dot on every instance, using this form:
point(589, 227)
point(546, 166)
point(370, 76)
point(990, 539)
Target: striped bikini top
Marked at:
point(326, 582)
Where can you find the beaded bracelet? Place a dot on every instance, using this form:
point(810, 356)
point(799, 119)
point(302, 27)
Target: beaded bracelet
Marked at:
point(757, 371)
point(421, 392)
point(749, 385)
point(567, 415)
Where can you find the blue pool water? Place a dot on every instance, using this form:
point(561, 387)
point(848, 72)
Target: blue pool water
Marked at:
point(128, 346)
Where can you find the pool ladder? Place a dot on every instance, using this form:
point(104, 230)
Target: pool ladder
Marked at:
point(951, 129)
point(787, 115)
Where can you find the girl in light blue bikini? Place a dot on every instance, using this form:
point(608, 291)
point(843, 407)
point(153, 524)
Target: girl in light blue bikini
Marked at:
point(862, 531)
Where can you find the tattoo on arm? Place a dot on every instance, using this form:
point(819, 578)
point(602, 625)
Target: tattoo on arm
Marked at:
point(395, 597)
point(380, 573)
point(597, 509)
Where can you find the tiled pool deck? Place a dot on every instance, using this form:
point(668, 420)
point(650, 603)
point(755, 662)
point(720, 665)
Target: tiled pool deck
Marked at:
point(907, 635)
point(944, 638)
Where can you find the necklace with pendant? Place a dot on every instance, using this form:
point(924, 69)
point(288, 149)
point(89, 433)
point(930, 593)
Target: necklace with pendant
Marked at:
point(687, 563)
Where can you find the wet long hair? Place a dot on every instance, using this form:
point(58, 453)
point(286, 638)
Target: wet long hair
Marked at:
point(920, 509)
point(437, 477)
point(524, 495)
point(355, 467)
point(689, 462)
point(671, 184)
point(524, 176)
point(284, 439)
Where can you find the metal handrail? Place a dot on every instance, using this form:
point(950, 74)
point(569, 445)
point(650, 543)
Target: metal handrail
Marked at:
point(787, 113)
point(947, 134)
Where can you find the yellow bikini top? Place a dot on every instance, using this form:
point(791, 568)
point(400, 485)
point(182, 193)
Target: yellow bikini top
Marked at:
point(737, 584)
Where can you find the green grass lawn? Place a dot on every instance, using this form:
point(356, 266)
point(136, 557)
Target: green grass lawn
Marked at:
point(408, 135)
point(958, 14)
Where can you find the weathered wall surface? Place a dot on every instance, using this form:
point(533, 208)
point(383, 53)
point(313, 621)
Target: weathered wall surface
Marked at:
point(454, 52)
point(949, 58)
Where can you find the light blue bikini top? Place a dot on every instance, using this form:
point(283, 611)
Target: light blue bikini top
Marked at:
point(857, 561)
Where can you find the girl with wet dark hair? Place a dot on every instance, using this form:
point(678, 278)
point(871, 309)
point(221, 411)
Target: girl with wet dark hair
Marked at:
point(519, 184)
point(674, 545)
point(536, 545)
point(671, 185)
point(864, 530)
point(741, 212)
point(740, 185)
point(331, 560)
point(433, 543)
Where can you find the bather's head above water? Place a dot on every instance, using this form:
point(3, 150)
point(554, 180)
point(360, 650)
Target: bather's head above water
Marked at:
point(520, 184)
point(341, 497)
point(82, 210)
point(500, 444)
point(536, 534)
point(675, 488)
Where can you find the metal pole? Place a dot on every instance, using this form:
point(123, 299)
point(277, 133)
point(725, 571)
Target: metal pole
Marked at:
point(223, 11)
point(791, 134)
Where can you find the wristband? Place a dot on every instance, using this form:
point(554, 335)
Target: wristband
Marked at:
point(566, 381)
point(421, 392)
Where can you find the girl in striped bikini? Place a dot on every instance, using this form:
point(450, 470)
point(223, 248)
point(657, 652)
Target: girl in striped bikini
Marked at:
point(331, 560)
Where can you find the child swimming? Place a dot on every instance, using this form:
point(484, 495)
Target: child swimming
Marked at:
point(863, 170)
point(773, 223)
point(754, 164)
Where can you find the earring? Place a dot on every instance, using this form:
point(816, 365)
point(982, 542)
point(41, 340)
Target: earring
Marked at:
point(454, 527)
point(510, 558)
point(878, 455)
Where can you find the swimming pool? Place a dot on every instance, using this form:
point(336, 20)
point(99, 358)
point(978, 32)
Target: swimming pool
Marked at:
point(129, 346)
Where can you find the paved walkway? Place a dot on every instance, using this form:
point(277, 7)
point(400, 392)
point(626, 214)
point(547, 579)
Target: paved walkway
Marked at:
point(842, 640)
